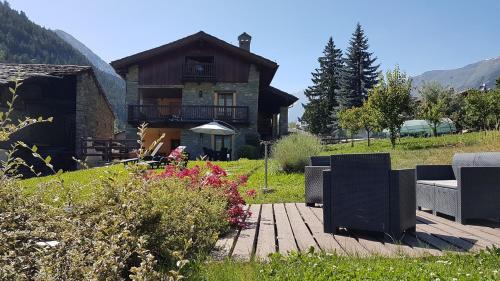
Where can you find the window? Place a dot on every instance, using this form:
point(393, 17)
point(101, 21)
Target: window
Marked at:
point(224, 101)
point(222, 142)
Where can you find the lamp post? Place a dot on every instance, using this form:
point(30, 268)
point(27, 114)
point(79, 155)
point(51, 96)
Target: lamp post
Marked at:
point(266, 144)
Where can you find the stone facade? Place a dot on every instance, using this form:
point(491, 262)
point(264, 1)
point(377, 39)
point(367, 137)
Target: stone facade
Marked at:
point(245, 94)
point(132, 96)
point(283, 123)
point(94, 117)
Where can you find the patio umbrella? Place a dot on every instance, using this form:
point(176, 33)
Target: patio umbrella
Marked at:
point(213, 128)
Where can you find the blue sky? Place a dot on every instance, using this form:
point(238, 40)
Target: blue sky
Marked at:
point(418, 35)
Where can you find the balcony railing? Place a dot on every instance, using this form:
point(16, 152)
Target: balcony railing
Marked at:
point(186, 113)
point(198, 72)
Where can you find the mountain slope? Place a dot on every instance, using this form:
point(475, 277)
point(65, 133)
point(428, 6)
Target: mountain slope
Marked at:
point(469, 76)
point(23, 41)
point(111, 82)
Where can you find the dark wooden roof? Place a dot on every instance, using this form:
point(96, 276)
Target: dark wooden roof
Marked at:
point(281, 97)
point(9, 72)
point(268, 67)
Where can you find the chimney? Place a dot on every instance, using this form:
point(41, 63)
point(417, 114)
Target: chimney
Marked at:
point(244, 40)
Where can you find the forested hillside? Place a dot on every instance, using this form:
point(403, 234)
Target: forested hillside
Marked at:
point(23, 41)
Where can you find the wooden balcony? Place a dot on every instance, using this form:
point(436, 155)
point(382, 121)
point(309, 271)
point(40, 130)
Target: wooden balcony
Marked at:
point(178, 114)
point(199, 72)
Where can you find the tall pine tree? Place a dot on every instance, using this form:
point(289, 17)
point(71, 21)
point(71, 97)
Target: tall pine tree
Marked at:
point(360, 71)
point(323, 95)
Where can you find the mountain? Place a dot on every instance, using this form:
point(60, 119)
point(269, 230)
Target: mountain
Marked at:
point(470, 76)
point(296, 111)
point(111, 82)
point(23, 41)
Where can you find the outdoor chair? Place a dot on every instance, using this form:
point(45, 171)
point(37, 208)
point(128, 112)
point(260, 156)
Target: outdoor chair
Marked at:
point(467, 189)
point(152, 159)
point(361, 192)
point(313, 175)
point(178, 152)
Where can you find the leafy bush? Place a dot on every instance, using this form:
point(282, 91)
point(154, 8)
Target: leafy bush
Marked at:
point(134, 226)
point(248, 151)
point(293, 151)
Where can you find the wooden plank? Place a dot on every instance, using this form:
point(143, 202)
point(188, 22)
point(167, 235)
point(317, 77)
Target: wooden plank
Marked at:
point(325, 240)
point(457, 242)
point(286, 241)
point(349, 244)
point(466, 228)
point(419, 247)
point(449, 235)
point(373, 245)
point(244, 247)
point(225, 244)
point(266, 240)
point(302, 235)
point(487, 229)
point(436, 242)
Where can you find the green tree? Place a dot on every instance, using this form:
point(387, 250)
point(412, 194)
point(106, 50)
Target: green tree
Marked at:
point(435, 104)
point(477, 109)
point(323, 95)
point(391, 98)
point(369, 118)
point(349, 120)
point(360, 71)
point(497, 84)
point(493, 98)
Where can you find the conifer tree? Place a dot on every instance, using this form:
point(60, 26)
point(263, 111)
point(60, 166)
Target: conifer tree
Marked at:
point(323, 95)
point(360, 71)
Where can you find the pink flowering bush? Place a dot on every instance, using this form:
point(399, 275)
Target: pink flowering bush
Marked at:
point(213, 177)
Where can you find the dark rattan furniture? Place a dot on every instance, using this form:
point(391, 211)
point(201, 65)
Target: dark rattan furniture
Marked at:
point(313, 175)
point(467, 189)
point(362, 192)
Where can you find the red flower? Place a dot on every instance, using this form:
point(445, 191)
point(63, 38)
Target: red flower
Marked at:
point(251, 193)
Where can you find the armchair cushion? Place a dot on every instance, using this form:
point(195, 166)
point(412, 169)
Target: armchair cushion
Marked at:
point(439, 183)
point(483, 159)
point(319, 161)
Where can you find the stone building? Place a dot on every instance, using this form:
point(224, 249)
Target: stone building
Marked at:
point(199, 79)
point(71, 95)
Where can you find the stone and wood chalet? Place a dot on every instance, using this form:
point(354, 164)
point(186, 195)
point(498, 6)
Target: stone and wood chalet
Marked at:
point(199, 79)
point(68, 93)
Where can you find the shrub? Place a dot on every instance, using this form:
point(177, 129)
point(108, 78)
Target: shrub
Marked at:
point(133, 227)
point(248, 151)
point(293, 151)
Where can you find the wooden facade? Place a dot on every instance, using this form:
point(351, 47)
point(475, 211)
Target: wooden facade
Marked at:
point(167, 69)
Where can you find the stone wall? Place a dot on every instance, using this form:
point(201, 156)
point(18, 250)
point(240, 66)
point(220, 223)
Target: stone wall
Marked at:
point(132, 97)
point(245, 94)
point(94, 118)
point(283, 123)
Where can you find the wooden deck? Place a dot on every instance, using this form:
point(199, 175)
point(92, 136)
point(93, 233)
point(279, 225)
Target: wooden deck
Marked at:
point(296, 227)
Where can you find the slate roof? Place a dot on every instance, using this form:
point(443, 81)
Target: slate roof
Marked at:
point(9, 72)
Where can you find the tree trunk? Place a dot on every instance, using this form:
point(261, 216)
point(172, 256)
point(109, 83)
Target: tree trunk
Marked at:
point(352, 140)
point(393, 138)
point(368, 133)
point(435, 130)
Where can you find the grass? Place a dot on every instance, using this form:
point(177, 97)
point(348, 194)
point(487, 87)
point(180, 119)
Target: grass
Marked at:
point(482, 266)
point(289, 187)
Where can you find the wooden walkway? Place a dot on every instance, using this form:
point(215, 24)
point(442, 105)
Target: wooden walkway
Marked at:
point(296, 227)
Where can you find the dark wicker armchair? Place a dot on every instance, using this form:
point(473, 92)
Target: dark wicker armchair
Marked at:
point(467, 189)
point(313, 175)
point(362, 192)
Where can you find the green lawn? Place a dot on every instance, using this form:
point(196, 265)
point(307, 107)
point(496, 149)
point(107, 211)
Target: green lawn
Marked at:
point(290, 187)
point(303, 267)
